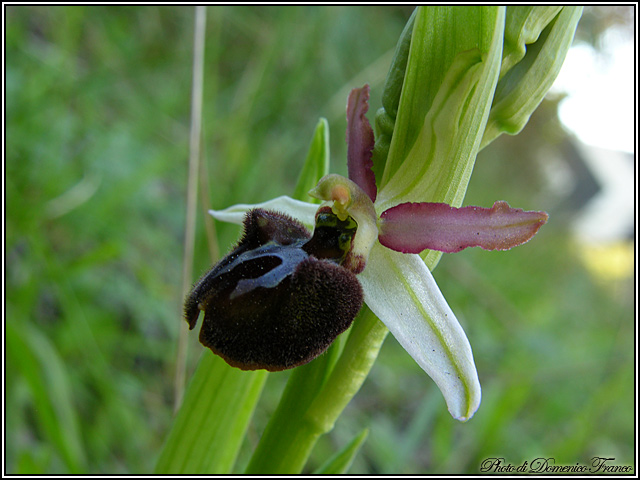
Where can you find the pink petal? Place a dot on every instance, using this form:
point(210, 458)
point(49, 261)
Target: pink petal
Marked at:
point(360, 141)
point(414, 227)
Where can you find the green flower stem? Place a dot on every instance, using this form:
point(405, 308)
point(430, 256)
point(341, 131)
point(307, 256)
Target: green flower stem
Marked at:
point(350, 371)
point(315, 398)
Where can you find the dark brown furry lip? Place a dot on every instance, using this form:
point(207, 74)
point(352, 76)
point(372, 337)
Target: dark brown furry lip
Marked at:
point(280, 297)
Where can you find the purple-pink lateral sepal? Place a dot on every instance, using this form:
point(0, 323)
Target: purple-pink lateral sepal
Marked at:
point(360, 141)
point(414, 227)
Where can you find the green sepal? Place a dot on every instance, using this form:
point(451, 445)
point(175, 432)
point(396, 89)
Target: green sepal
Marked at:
point(316, 164)
point(341, 462)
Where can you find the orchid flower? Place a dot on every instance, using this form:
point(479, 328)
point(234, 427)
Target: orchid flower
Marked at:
point(398, 286)
point(490, 68)
point(432, 125)
point(460, 77)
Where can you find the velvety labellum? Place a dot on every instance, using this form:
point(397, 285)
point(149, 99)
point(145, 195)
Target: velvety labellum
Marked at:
point(281, 297)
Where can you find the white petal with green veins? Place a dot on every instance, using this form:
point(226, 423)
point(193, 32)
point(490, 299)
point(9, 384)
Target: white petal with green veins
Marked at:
point(401, 291)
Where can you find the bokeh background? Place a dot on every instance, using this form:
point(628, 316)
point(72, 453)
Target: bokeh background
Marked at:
point(97, 129)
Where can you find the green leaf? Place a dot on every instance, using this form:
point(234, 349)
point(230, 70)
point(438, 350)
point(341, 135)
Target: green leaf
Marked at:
point(30, 352)
point(211, 424)
point(342, 460)
point(526, 78)
point(316, 165)
point(448, 44)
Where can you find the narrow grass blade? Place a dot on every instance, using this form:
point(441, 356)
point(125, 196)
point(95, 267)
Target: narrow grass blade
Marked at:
point(192, 191)
point(342, 460)
point(30, 352)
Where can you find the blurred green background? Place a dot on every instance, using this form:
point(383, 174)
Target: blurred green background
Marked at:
point(98, 112)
